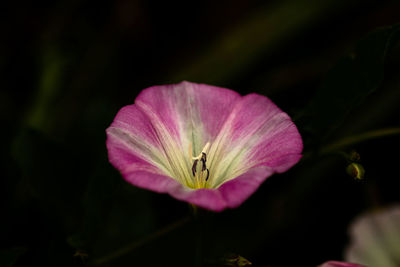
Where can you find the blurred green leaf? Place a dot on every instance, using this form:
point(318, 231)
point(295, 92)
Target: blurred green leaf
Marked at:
point(259, 34)
point(9, 257)
point(49, 89)
point(348, 84)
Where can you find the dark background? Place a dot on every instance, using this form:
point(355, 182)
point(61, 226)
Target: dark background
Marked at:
point(67, 67)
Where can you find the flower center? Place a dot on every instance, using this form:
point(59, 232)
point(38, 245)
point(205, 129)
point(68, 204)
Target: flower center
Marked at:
point(200, 171)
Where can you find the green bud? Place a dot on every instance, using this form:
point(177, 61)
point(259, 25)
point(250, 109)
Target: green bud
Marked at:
point(235, 260)
point(355, 170)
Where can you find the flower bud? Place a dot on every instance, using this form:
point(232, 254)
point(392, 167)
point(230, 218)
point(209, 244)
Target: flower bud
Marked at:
point(355, 170)
point(235, 260)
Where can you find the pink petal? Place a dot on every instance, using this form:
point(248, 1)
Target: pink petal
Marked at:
point(268, 132)
point(375, 238)
point(339, 264)
point(265, 135)
point(188, 109)
point(229, 195)
point(131, 141)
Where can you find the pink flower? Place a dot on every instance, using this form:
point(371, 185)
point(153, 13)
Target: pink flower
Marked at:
point(375, 238)
point(202, 144)
point(339, 264)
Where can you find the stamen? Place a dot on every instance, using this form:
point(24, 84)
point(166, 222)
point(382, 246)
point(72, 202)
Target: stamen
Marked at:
point(194, 167)
point(203, 160)
point(202, 157)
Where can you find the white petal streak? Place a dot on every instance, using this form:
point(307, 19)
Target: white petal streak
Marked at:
point(172, 149)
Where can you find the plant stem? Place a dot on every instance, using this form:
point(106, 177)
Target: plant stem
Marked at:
point(354, 139)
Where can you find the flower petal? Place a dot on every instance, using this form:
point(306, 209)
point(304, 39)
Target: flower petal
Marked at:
point(339, 264)
point(250, 139)
point(229, 195)
point(185, 117)
point(192, 113)
point(257, 133)
point(132, 143)
point(375, 238)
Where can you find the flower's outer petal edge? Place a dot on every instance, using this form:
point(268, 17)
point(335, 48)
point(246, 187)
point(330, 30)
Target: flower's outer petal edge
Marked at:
point(339, 264)
point(229, 195)
point(131, 142)
point(260, 134)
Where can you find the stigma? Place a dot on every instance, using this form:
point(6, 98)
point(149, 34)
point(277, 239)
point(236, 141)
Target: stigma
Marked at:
point(200, 171)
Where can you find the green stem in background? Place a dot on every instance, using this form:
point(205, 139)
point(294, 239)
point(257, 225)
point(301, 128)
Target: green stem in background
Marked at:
point(355, 139)
point(195, 210)
point(141, 242)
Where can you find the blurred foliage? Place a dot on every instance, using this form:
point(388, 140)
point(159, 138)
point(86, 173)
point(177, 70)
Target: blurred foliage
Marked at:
point(9, 257)
point(350, 81)
point(68, 66)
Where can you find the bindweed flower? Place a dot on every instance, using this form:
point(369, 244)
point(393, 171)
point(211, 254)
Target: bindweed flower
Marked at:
point(202, 144)
point(375, 238)
point(339, 264)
